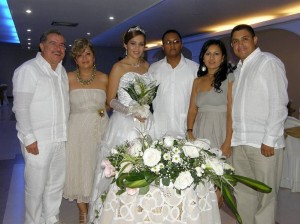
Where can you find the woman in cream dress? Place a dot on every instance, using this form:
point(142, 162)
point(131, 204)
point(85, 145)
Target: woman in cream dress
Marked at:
point(87, 122)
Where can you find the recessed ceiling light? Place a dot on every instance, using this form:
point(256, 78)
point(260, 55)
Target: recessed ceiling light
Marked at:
point(70, 45)
point(88, 33)
point(111, 18)
point(29, 43)
point(28, 39)
point(28, 30)
point(28, 11)
point(28, 48)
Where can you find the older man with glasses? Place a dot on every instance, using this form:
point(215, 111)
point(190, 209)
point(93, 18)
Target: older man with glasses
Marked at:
point(175, 75)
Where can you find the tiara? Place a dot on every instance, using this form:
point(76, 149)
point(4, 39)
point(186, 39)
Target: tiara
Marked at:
point(137, 28)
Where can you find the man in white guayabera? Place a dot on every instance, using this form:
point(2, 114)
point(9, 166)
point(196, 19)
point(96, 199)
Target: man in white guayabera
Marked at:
point(258, 114)
point(174, 75)
point(41, 105)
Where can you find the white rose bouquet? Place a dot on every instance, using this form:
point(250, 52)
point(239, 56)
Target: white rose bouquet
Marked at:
point(172, 162)
point(142, 93)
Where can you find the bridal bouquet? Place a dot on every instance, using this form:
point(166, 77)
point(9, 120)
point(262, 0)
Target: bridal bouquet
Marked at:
point(172, 162)
point(142, 93)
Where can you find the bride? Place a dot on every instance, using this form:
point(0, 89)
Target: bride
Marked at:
point(123, 126)
point(159, 205)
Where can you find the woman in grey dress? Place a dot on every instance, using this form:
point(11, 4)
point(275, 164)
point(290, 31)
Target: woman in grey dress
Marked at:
point(209, 113)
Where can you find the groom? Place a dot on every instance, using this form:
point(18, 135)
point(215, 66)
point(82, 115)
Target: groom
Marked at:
point(175, 75)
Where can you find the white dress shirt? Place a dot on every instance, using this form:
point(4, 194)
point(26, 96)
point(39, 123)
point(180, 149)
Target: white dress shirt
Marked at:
point(41, 102)
point(173, 97)
point(259, 101)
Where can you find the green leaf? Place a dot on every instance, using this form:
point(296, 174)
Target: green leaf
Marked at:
point(120, 180)
point(254, 184)
point(136, 183)
point(165, 181)
point(229, 178)
point(229, 200)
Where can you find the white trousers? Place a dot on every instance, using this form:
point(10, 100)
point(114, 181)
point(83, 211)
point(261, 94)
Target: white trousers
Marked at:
point(44, 181)
point(255, 207)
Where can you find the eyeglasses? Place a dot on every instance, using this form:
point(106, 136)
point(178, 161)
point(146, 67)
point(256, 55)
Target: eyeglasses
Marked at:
point(171, 42)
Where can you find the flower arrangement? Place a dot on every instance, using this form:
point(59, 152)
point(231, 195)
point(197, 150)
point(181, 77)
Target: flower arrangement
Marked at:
point(172, 162)
point(142, 93)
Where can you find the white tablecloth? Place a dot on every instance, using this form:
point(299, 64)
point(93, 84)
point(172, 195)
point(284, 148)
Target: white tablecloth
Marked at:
point(291, 161)
point(162, 205)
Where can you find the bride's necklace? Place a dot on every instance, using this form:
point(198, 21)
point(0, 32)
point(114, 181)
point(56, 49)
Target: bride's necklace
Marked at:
point(85, 82)
point(135, 65)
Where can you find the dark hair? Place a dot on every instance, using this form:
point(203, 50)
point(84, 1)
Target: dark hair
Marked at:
point(242, 27)
point(221, 73)
point(133, 32)
point(45, 35)
point(79, 45)
point(170, 31)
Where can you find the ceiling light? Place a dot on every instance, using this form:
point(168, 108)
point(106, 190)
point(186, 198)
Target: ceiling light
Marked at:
point(229, 25)
point(70, 45)
point(28, 39)
point(111, 18)
point(291, 9)
point(153, 44)
point(28, 11)
point(29, 43)
point(28, 30)
point(28, 48)
point(88, 33)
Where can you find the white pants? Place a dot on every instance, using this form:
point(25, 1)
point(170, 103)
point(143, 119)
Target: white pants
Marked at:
point(44, 181)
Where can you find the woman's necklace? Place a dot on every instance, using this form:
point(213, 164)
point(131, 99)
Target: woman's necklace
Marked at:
point(135, 65)
point(83, 81)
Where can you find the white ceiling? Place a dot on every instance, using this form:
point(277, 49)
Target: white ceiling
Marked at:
point(189, 17)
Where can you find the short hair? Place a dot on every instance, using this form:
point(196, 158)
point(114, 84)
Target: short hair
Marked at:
point(133, 32)
point(243, 27)
point(170, 31)
point(45, 35)
point(79, 45)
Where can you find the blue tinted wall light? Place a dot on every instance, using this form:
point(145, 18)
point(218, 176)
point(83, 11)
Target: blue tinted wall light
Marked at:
point(8, 32)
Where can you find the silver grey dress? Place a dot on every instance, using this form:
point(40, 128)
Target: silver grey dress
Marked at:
point(210, 122)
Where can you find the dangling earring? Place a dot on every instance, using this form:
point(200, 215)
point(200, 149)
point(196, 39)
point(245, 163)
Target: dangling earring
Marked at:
point(203, 68)
point(126, 52)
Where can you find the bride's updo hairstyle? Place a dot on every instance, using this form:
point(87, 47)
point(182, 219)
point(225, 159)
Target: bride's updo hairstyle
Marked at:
point(133, 32)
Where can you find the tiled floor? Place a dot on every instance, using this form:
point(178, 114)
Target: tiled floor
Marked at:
point(12, 184)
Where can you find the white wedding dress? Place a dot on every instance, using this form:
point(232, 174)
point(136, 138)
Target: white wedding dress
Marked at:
point(159, 205)
point(121, 128)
